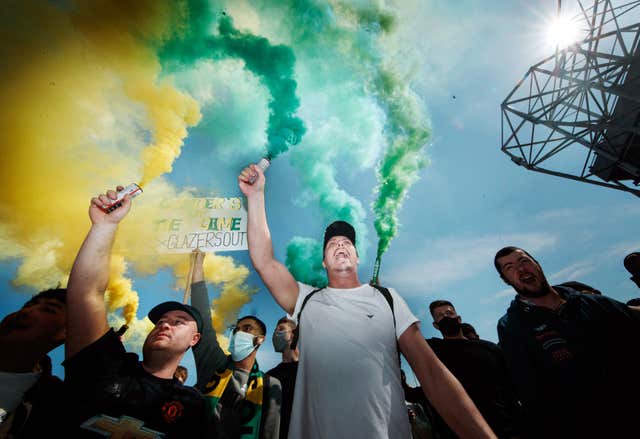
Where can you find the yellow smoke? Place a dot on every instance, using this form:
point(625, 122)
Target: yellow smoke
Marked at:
point(84, 108)
point(120, 294)
point(111, 25)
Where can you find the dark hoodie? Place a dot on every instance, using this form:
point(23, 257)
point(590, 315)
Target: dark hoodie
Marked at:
point(574, 368)
point(40, 414)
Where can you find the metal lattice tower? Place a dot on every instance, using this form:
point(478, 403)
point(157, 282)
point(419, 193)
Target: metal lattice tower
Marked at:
point(576, 114)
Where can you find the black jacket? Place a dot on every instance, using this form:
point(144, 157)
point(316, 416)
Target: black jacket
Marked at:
point(574, 368)
point(40, 412)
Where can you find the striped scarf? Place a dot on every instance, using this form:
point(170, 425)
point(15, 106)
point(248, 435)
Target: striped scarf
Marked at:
point(251, 409)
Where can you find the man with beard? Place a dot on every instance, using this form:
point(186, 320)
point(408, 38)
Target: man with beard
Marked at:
point(572, 356)
point(480, 367)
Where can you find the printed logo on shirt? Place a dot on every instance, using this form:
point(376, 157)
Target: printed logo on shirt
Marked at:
point(125, 427)
point(555, 344)
point(171, 411)
point(370, 315)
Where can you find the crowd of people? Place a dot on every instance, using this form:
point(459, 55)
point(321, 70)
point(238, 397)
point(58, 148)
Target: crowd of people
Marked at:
point(563, 367)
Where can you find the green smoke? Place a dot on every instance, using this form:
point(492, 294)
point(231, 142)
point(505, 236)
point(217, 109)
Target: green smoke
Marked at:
point(272, 64)
point(339, 52)
point(304, 258)
point(407, 134)
point(360, 114)
point(333, 64)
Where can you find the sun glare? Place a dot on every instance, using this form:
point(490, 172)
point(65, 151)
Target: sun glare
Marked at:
point(562, 32)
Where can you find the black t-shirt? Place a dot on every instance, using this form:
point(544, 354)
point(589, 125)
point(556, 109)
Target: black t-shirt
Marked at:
point(110, 391)
point(286, 374)
point(480, 367)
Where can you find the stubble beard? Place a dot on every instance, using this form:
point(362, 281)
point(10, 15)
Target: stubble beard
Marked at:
point(543, 290)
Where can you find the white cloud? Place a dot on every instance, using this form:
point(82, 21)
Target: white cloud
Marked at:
point(454, 259)
point(574, 271)
point(507, 292)
point(571, 214)
point(621, 249)
point(585, 266)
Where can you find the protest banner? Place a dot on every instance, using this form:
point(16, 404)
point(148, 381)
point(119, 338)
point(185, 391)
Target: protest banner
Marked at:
point(211, 224)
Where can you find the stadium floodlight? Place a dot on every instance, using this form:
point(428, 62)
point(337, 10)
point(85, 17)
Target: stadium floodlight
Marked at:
point(576, 114)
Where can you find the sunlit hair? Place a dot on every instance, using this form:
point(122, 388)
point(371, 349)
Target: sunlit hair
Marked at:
point(287, 321)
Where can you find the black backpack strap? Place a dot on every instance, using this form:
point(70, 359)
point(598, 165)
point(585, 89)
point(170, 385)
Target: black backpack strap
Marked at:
point(296, 332)
point(387, 295)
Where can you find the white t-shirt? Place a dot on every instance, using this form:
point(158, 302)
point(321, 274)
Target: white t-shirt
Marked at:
point(13, 387)
point(348, 383)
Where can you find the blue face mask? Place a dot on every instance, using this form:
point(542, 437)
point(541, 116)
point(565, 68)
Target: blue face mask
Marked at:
point(241, 345)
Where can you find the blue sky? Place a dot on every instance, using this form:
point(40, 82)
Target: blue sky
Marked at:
point(470, 201)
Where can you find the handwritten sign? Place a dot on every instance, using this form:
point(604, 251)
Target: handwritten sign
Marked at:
point(210, 224)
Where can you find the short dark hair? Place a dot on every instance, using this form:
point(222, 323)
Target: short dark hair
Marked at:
point(505, 251)
point(261, 325)
point(287, 321)
point(59, 294)
point(436, 303)
point(635, 256)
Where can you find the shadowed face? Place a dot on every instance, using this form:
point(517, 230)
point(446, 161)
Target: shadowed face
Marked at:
point(285, 328)
point(40, 322)
point(446, 320)
point(523, 274)
point(176, 331)
point(444, 311)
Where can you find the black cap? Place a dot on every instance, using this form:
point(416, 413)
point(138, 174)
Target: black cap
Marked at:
point(339, 228)
point(159, 310)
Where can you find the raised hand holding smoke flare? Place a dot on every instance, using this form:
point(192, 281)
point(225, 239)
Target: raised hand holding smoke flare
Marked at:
point(263, 164)
point(133, 190)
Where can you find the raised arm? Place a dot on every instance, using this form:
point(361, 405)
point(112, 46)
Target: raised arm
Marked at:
point(441, 388)
point(208, 355)
point(86, 310)
point(276, 277)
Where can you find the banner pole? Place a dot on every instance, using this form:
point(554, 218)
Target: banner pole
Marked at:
point(187, 288)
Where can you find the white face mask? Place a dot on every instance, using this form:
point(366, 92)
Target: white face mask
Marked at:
point(241, 345)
